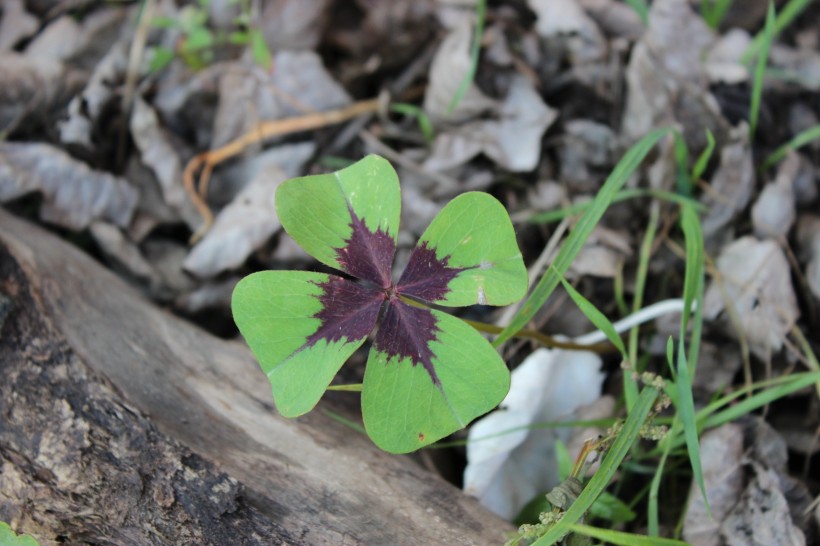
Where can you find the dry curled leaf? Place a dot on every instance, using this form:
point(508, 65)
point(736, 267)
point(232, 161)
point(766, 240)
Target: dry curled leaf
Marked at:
point(513, 141)
point(732, 185)
point(73, 194)
point(240, 228)
point(774, 211)
point(757, 284)
point(507, 471)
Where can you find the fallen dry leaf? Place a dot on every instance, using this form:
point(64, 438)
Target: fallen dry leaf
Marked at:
point(240, 228)
point(721, 451)
point(447, 72)
point(808, 241)
point(16, 24)
point(774, 210)
point(731, 186)
point(566, 18)
point(757, 282)
point(31, 86)
point(73, 194)
point(513, 141)
point(507, 471)
point(157, 153)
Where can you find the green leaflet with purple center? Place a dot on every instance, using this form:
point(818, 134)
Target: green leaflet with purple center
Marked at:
point(428, 374)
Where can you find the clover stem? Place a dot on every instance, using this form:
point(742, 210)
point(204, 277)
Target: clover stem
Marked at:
point(533, 335)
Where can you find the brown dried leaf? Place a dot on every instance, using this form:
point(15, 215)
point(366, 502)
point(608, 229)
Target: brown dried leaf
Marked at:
point(74, 195)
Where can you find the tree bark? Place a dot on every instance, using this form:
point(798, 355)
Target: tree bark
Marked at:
point(122, 424)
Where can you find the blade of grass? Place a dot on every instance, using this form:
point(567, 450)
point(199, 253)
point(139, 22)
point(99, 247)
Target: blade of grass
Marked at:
point(630, 385)
point(713, 11)
point(686, 363)
point(609, 467)
point(475, 51)
point(760, 70)
point(787, 15)
point(619, 538)
point(654, 489)
point(594, 315)
point(421, 117)
point(704, 157)
point(799, 140)
point(578, 236)
point(623, 195)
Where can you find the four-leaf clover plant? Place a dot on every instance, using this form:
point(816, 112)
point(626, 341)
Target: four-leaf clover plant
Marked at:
point(428, 373)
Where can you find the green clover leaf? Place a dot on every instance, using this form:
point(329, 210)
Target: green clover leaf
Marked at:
point(429, 373)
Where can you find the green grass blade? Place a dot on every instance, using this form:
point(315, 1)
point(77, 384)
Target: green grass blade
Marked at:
point(760, 71)
point(704, 157)
point(573, 244)
point(693, 291)
point(630, 385)
point(799, 140)
point(421, 117)
point(713, 11)
point(619, 538)
point(787, 15)
point(748, 405)
point(595, 316)
point(475, 51)
point(653, 518)
point(609, 467)
point(641, 8)
point(623, 195)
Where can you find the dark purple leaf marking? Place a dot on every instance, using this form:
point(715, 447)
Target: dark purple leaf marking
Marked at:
point(349, 310)
point(407, 332)
point(426, 277)
point(367, 254)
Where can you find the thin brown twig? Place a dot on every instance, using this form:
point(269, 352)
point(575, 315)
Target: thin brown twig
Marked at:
point(206, 161)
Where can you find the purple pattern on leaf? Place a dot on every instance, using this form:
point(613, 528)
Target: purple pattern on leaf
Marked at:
point(426, 277)
point(349, 310)
point(367, 254)
point(407, 332)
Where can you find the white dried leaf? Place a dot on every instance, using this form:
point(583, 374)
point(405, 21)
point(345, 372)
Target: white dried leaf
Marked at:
point(29, 85)
point(774, 211)
point(73, 194)
point(450, 66)
point(615, 18)
point(513, 141)
point(567, 18)
point(240, 228)
point(732, 185)
point(756, 278)
point(248, 94)
point(762, 517)
point(157, 153)
point(808, 241)
point(16, 23)
point(507, 471)
point(123, 252)
point(724, 62)
point(665, 67)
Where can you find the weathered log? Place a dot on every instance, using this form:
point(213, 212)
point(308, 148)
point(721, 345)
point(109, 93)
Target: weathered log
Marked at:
point(122, 424)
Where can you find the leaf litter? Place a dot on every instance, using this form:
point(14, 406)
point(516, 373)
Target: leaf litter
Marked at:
point(561, 89)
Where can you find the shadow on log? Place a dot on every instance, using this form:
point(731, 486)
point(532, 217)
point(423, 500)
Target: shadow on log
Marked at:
point(122, 424)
